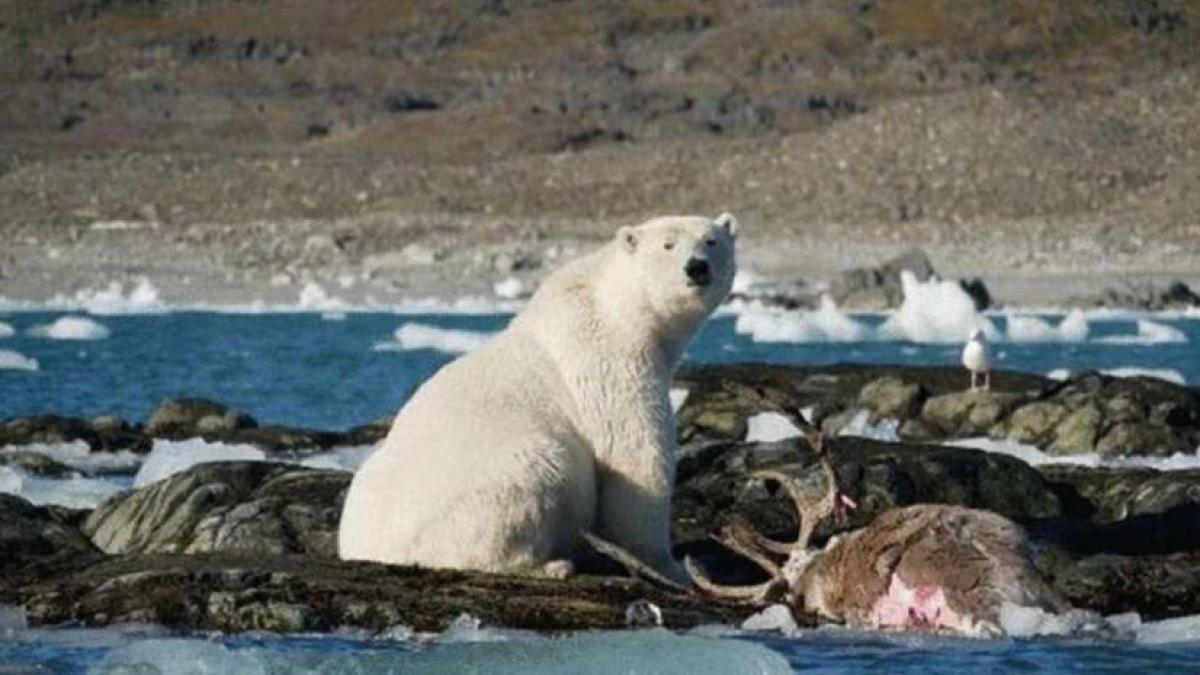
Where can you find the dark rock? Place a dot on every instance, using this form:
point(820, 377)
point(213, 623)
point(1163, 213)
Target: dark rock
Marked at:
point(404, 103)
point(978, 291)
point(240, 592)
point(279, 439)
point(369, 433)
point(1116, 494)
point(878, 475)
point(226, 506)
point(1149, 296)
point(892, 398)
point(1154, 586)
point(969, 413)
point(185, 417)
point(36, 464)
point(1034, 423)
point(874, 288)
point(33, 535)
point(47, 429)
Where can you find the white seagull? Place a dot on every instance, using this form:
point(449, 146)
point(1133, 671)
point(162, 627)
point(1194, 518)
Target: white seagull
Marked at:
point(976, 358)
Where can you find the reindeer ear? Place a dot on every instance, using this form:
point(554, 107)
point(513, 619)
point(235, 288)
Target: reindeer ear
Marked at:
point(727, 221)
point(628, 238)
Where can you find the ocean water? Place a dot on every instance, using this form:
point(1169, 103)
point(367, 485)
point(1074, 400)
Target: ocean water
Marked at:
point(336, 368)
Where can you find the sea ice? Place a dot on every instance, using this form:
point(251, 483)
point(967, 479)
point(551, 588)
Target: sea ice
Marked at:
point(77, 455)
point(10, 360)
point(423, 336)
point(142, 298)
point(77, 492)
point(347, 458)
point(769, 427)
point(935, 311)
point(6, 330)
point(825, 324)
point(1035, 457)
point(72, 328)
point(1025, 622)
point(774, 619)
point(1168, 374)
point(1148, 333)
point(678, 397)
point(180, 656)
point(1028, 328)
point(1180, 629)
point(167, 458)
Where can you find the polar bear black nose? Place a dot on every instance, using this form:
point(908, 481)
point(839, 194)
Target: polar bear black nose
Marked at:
point(697, 271)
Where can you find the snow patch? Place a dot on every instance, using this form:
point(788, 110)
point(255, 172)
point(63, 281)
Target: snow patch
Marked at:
point(168, 458)
point(769, 427)
point(10, 360)
point(423, 336)
point(72, 328)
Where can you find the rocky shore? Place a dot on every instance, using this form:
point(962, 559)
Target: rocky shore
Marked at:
point(244, 545)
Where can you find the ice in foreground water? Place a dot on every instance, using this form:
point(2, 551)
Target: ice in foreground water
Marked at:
point(72, 328)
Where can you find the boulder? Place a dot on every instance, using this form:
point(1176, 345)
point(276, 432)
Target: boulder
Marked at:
point(257, 507)
point(876, 288)
point(32, 535)
point(892, 398)
point(1078, 432)
point(1142, 438)
point(969, 413)
point(184, 417)
point(1110, 494)
point(1153, 586)
point(1034, 423)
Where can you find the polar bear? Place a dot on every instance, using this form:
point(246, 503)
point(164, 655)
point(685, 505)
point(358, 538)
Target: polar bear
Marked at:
point(559, 425)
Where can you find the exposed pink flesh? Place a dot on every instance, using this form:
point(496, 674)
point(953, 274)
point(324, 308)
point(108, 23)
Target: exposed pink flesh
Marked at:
point(919, 608)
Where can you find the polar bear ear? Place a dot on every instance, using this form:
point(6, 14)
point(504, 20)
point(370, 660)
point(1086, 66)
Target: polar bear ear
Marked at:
point(627, 237)
point(727, 221)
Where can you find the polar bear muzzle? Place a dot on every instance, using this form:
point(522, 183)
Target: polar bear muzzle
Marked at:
point(698, 272)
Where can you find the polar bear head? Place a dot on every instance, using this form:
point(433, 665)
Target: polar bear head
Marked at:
point(681, 265)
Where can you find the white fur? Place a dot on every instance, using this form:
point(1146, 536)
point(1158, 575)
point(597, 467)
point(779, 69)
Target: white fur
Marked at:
point(560, 424)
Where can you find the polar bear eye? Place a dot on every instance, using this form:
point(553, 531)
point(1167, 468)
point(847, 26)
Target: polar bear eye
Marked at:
point(710, 242)
point(669, 245)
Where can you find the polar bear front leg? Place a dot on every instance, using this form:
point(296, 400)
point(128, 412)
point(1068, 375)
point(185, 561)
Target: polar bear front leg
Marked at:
point(634, 512)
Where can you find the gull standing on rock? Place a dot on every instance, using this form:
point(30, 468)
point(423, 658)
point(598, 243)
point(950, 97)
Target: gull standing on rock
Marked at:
point(976, 358)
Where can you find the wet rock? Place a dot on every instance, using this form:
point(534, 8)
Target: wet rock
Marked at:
point(35, 463)
point(1034, 423)
point(892, 398)
point(32, 535)
point(1148, 296)
point(227, 506)
point(279, 439)
point(186, 417)
point(969, 413)
point(1142, 438)
point(1115, 494)
point(47, 429)
point(1078, 432)
point(1153, 586)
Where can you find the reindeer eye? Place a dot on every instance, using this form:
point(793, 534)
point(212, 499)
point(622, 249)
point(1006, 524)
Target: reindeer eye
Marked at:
point(669, 245)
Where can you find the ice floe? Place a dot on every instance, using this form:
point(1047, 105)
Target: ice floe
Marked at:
point(6, 330)
point(825, 324)
point(1168, 374)
point(424, 336)
point(935, 311)
point(1030, 328)
point(72, 328)
point(1148, 333)
point(77, 492)
point(77, 455)
point(168, 458)
point(10, 360)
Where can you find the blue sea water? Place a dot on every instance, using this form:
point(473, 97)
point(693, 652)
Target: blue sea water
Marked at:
point(305, 370)
point(335, 371)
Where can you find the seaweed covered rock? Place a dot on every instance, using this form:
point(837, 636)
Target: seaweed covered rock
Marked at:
point(227, 506)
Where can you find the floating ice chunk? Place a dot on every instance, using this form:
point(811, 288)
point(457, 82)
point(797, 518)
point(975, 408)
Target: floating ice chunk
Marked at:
point(184, 657)
point(76, 492)
point(142, 298)
point(313, 296)
point(774, 619)
point(72, 328)
point(1168, 374)
point(6, 330)
point(423, 336)
point(510, 289)
point(167, 458)
point(1180, 629)
point(1028, 328)
point(1019, 621)
point(1148, 333)
point(935, 311)
point(77, 455)
point(467, 628)
point(860, 425)
point(347, 458)
point(678, 397)
point(769, 427)
point(10, 360)
point(825, 324)
point(1059, 374)
point(333, 316)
